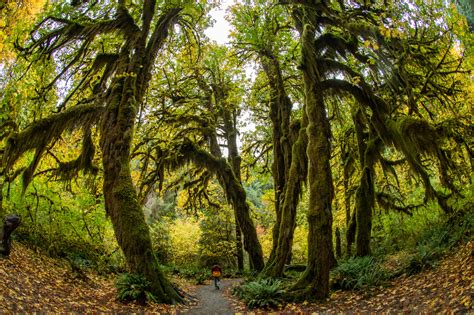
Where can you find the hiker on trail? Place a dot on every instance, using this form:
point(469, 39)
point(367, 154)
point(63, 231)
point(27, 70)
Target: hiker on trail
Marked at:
point(216, 271)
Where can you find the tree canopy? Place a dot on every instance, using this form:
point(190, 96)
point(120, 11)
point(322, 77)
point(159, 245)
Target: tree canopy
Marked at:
point(316, 116)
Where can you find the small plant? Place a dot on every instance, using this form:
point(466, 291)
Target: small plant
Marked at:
point(357, 273)
point(438, 240)
point(201, 278)
point(264, 293)
point(133, 287)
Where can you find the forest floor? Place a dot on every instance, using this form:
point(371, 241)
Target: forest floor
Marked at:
point(32, 282)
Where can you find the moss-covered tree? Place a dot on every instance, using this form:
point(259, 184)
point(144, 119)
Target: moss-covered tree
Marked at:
point(211, 95)
point(348, 50)
point(264, 34)
point(109, 49)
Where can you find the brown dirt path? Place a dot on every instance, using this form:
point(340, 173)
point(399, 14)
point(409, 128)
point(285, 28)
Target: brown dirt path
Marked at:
point(212, 301)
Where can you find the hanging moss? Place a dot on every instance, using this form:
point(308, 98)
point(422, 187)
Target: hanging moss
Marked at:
point(41, 134)
point(390, 202)
point(189, 152)
point(69, 170)
point(414, 137)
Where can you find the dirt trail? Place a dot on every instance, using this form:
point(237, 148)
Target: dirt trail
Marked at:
point(212, 301)
point(31, 282)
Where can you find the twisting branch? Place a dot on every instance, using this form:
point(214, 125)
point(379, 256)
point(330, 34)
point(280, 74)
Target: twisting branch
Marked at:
point(46, 132)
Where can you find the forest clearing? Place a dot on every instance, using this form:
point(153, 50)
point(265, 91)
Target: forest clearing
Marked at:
point(315, 156)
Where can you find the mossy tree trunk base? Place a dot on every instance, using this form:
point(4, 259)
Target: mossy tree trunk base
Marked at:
point(121, 199)
point(10, 223)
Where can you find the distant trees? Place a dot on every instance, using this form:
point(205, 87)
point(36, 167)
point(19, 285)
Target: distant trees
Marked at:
point(200, 115)
point(264, 36)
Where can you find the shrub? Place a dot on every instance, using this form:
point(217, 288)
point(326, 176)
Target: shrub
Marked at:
point(264, 293)
point(184, 239)
point(436, 241)
point(133, 287)
point(199, 275)
point(357, 273)
point(200, 278)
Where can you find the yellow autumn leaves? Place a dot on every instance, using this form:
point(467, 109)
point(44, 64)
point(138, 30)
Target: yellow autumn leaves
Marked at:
point(14, 16)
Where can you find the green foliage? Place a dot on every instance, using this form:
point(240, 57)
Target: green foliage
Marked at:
point(263, 293)
point(300, 245)
point(67, 223)
point(394, 231)
point(184, 239)
point(437, 240)
point(358, 273)
point(161, 240)
point(132, 287)
point(198, 274)
point(201, 278)
point(217, 243)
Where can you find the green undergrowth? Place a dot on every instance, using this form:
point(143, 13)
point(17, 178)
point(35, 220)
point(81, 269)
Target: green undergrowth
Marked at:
point(133, 287)
point(197, 274)
point(357, 273)
point(80, 256)
point(262, 293)
point(410, 248)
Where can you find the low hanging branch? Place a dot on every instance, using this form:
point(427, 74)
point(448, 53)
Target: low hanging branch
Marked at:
point(45, 132)
point(411, 136)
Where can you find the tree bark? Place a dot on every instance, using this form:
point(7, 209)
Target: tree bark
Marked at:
point(314, 283)
point(238, 246)
point(121, 200)
point(10, 223)
point(350, 234)
point(235, 194)
point(280, 110)
point(2, 214)
point(348, 170)
point(338, 243)
point(365, 195)
point(289, 165)
point(235, 161)
point(296, 177)
point(116, 134)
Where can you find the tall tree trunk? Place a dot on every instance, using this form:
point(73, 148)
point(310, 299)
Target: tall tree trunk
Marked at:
point(235, 194)
point(238, 246)
point(351, 234)
point(314, 283)
point(121, 200)
point(230, 125)
point(2, 211)
point(338, 243)
point(282, 141)
point(364, 205)
point(251, 244)
point(365, 195)
point(228, 172)
point(348, 170)
point(296, 177)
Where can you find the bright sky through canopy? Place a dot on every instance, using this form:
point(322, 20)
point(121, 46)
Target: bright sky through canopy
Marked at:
point(221, 29)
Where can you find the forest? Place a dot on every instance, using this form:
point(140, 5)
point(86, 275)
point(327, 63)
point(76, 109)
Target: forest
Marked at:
point(323, 152)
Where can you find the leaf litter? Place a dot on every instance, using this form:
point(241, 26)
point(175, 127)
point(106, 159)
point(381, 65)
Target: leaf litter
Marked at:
point(33, 282)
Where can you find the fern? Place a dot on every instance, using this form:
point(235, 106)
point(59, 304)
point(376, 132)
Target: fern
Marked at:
point(133, 287)
point(265, 293)
point(357, 273)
